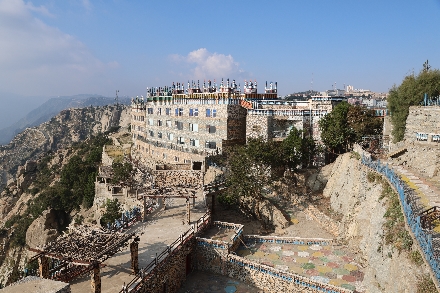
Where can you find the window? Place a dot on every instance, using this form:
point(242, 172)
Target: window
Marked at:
point(170, 136)
point(159, 134)
point(211, 113)
point(179, 111)
point(178, 125)
point(151, 133)
point(194, 142)
point(159, 111)
point(168, 111)
point(150, 111)
point(187, 161)
point(193, 112)
point(164, 155)
point(194, 127)
point(210, 145)
point(176, 159)
point(211, 128)
point(180, 140)
point(168, 123)
point(256, 128)
point(159, 123)
point(150, 122)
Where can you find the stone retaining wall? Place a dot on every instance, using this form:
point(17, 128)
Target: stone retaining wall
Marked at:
point(423, 155)
point(287, 240)
point(174, 178)
point(264, 277)
point(169, 275)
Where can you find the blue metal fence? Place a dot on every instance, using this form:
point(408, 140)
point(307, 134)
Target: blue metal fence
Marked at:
point(126, 218)
point(424, 237)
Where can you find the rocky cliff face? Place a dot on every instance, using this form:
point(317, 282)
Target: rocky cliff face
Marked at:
point(18, 166)
point(67, 127)
point(359, 200)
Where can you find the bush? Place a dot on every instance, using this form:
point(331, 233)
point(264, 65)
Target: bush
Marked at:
point(416, 257)
point(426, 285)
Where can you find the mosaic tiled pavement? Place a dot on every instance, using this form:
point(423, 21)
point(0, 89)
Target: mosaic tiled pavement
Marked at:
point(425, 190)
point(203, 282)
point(326, 264)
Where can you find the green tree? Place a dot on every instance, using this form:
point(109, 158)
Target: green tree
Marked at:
point(112, 212)
point(297, 150)
point(363, 122)
point(347, 124)
point(122, 172)
point(335, 132)
point(411, 93)
point(253, 167)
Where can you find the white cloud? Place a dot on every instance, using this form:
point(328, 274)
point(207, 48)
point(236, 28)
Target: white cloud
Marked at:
point(39, 59)
point(209, 65)
point(87, 5)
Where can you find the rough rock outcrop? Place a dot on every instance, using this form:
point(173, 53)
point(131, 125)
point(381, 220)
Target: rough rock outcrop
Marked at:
point(362, 227)
point(264, 211)
point(43, 230)
point(69, 126)
point(317, 180)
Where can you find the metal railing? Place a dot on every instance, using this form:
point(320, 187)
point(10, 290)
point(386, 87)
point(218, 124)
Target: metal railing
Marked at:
point(147, 272)
point(424, 237)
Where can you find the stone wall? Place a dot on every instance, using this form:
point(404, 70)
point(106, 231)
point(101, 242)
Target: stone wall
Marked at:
point(151, 155)
point(169, 275)
point(174, 178)
point(424, 120)
point(422, 155)
point(271, 280)
point(259, 125)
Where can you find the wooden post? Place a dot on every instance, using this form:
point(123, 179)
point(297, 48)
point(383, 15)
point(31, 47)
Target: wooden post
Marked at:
point(145, 210)
point(96, 278)
point(134, 255)
point(188, 211)
point(213, 203)
point(43, 266)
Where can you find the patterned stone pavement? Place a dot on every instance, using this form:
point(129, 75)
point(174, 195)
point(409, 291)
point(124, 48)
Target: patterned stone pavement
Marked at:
point(428, 194)
point(202, 282)
point(326, 264)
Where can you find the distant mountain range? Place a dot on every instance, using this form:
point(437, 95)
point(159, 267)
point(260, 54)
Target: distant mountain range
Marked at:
point(51, 108)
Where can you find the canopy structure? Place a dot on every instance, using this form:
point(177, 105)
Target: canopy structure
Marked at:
point(80, 251)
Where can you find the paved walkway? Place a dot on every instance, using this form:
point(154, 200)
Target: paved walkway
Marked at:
point(427, 191)
point(154, 234)
point(327, 264)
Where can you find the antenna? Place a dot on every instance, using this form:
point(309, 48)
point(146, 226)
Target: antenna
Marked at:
point(311, 85)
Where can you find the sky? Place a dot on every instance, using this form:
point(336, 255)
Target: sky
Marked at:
point(68, 47)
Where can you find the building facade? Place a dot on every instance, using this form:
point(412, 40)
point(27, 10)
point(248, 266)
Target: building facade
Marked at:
point(180, 127)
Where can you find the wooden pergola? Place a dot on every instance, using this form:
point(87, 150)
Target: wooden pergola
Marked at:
point(81, 251)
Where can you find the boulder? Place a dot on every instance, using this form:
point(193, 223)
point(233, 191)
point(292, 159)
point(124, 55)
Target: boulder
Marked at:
point(43, 230)
point(317, 181)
